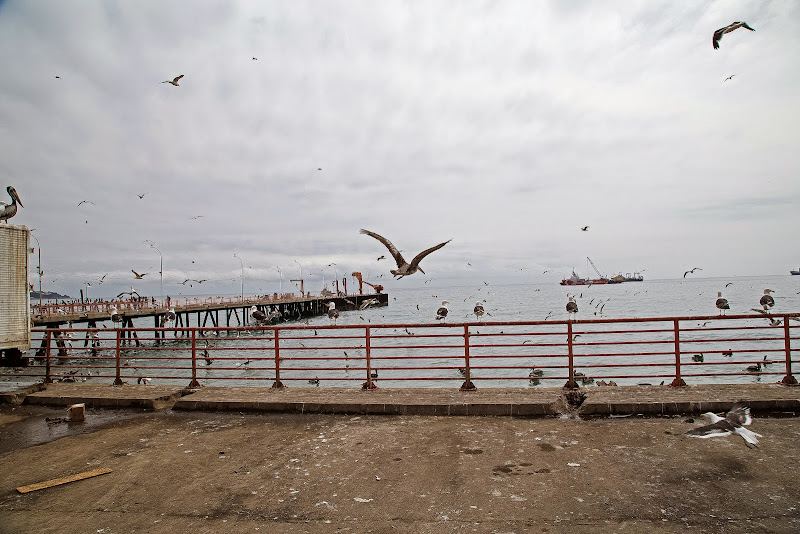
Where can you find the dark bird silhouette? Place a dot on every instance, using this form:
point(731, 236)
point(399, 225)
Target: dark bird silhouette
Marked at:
point(403, 267)
point(174, 81)
point(733, 423)
point(584, 228)
point(692, 270)
point(9, 210)
point(86, 202)
point(728, 78)
point(729, 28)
point(142, 195)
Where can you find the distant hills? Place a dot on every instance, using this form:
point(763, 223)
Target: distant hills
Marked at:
point(49, 295)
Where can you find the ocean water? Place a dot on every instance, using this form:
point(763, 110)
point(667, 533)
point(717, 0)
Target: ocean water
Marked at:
point(409, 348)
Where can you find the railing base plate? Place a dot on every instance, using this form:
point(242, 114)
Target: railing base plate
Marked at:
point(369, 385)
point(678, 383)
point(278, 385)
point(789, 380)
point(468, 386)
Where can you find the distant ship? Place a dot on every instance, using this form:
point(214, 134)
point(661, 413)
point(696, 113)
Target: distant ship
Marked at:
point(796, 272)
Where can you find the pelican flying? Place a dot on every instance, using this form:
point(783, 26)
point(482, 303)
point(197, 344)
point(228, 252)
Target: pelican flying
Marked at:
point(729, 28)
point(403, 267)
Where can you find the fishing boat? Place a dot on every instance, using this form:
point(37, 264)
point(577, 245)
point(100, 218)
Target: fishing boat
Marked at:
point(796, 272)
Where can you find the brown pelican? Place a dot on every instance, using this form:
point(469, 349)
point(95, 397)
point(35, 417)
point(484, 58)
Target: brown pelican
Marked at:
point(174, 81)
point(333, 313)
point(722, 304)
point(257, 315)
point(729, 28)
point(403, 267)
point(478, 310)
point(732, 423)
point(572, 307)
point(9, 210)
point(767, 301)
point(441, 313)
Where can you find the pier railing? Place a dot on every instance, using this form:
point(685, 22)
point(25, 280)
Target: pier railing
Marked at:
point(667, 350)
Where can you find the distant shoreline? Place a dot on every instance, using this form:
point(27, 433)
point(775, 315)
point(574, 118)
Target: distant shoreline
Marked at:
point(49, 295)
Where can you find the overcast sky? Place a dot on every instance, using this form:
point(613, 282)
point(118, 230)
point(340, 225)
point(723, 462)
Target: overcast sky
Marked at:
point(505, 126)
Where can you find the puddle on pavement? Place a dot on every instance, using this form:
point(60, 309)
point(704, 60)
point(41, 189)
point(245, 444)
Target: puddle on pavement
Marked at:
point(32, 428)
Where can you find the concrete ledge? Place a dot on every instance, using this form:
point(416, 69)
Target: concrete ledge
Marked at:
point(94, 396)
point(18, 391)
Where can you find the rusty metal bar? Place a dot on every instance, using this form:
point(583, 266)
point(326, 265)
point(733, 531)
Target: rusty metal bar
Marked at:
point(467, 385)
point(788, 380)
point(47, 378)
point(118, 379)
point(278, 384)
point(194, 383)
point(678, 382)
point(571, 383)
point(369, 384)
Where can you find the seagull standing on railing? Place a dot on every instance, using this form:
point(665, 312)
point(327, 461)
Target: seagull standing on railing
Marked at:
point(441, 313)
point(478, 310)
point(767, 301)
point(722, 304)
point(572, 307)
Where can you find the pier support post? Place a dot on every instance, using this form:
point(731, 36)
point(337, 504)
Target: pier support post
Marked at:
point(788, 380)
point(467, 385)
point(369, 384)
point(571, 383)
point(678, 382)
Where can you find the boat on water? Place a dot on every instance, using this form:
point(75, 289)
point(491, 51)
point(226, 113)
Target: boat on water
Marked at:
point(793, 272)
point(576, 280)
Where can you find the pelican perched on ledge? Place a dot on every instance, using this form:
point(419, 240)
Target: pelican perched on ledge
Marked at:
point(9, 210)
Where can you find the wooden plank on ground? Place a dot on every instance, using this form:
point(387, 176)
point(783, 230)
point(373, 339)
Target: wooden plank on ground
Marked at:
point(64, 480)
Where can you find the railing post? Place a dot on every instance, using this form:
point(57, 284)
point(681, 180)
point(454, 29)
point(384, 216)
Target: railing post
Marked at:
point(278, 384)
point(571, 383)
point(678, 382)
point(467, 385)
point(788, 380)
point(118, 380)
point(369, 384)
point(194, 383)
point(47, 378)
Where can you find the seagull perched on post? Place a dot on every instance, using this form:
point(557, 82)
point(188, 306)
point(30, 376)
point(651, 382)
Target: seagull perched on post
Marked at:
point(403, 267)
point(733, 423)
point(729, 28)
point(572, 307)
point(441, 313)
point(333, 313)
point(9, 210)
point(767, 301)
point(722, 304)
point(174, 81)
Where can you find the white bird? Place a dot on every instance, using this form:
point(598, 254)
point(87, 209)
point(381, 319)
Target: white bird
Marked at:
point(168, 318)
point(478, 310)
point(722, 304)
point(174, 81)
point(257, 315)
point(572, 307)
point(139, 276)
point(368, 303)
point(733, 423)
point(116, 317)
point(441, 313)
point(9, 210)
point(403, 267)
point(333, 313)
point(729, 28)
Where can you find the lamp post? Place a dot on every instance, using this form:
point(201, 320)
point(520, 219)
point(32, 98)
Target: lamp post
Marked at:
point(240, 261)
point(301, 277)
point(160, 269)
point(281, 280)
point(39, 270)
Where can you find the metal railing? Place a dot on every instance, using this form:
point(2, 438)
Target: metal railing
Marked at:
point(733, 348)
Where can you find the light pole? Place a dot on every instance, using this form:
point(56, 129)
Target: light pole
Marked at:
point(39, 269)
point(240, 261)
point(160, 269)
point(301, 277)
point(281, 282)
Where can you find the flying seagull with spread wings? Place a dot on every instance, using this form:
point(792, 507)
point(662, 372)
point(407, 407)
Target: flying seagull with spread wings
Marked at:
point(729, 28)
point(733, 423)
point(403, 267)
point(174, 81)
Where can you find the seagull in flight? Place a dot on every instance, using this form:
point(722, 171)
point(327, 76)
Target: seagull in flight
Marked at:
point(142, 195)
point(139, 276)
point(195, 217)
point(729, 28)
point(174, 81)
point(728, 78)
point(692, 270)
point(733, 423)
point(403, 267)
point(584, 228)
point(86, 202)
